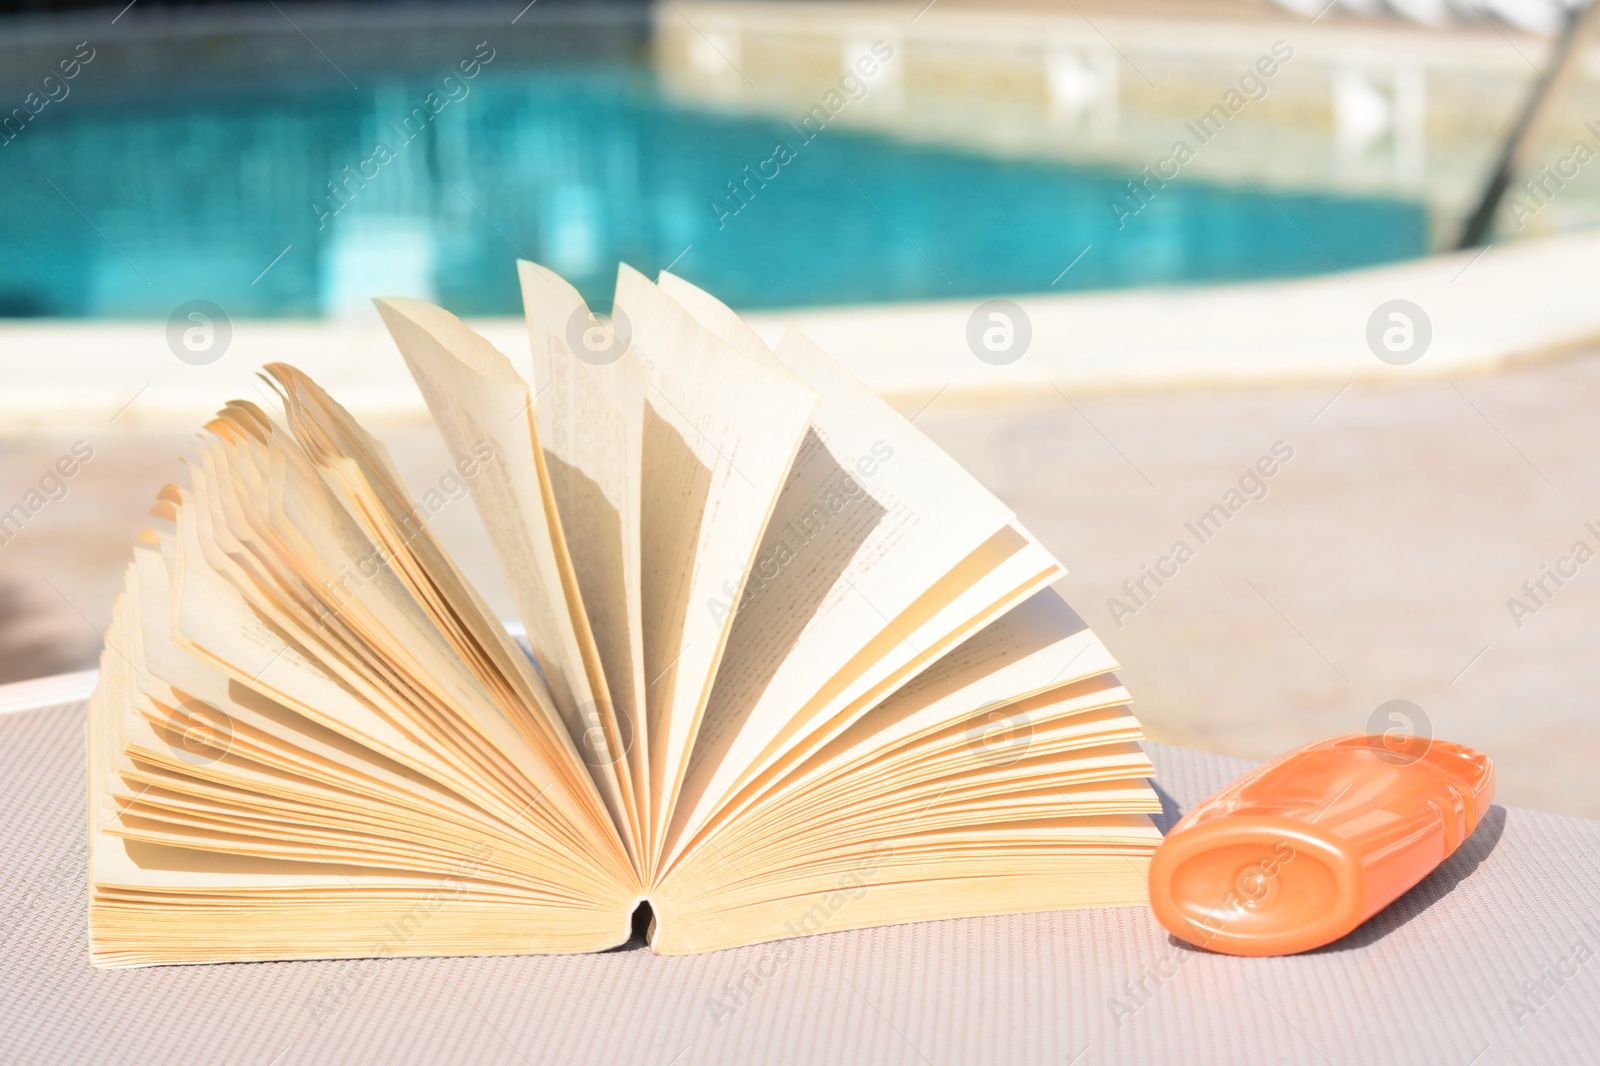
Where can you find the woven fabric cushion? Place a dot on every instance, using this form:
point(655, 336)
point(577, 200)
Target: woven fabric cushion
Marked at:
point(1489, 960)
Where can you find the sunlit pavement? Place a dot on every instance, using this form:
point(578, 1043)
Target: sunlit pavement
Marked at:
point(1378, 562)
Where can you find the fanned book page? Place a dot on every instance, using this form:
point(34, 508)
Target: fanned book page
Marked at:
point(787, 668)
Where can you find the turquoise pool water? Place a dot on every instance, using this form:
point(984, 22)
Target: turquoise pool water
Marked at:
point(128, 207)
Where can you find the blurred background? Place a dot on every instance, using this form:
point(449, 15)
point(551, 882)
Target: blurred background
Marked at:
point(1119, 258)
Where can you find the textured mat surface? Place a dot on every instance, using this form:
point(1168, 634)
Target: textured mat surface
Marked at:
point(1489, 960)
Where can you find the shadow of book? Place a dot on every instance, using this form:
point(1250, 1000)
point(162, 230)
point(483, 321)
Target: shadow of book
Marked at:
point(1170, 811)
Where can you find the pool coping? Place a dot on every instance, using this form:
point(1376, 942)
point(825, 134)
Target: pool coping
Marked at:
point(1488, 309)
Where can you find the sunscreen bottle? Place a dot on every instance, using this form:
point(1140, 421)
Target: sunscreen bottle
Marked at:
point(1301, 851)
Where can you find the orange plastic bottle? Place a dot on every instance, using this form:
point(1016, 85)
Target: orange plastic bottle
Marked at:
point(1301, 851)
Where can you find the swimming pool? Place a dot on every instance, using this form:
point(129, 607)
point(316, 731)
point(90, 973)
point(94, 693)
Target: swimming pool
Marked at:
point(275, 200)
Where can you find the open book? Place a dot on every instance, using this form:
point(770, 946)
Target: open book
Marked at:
point(783, 668)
